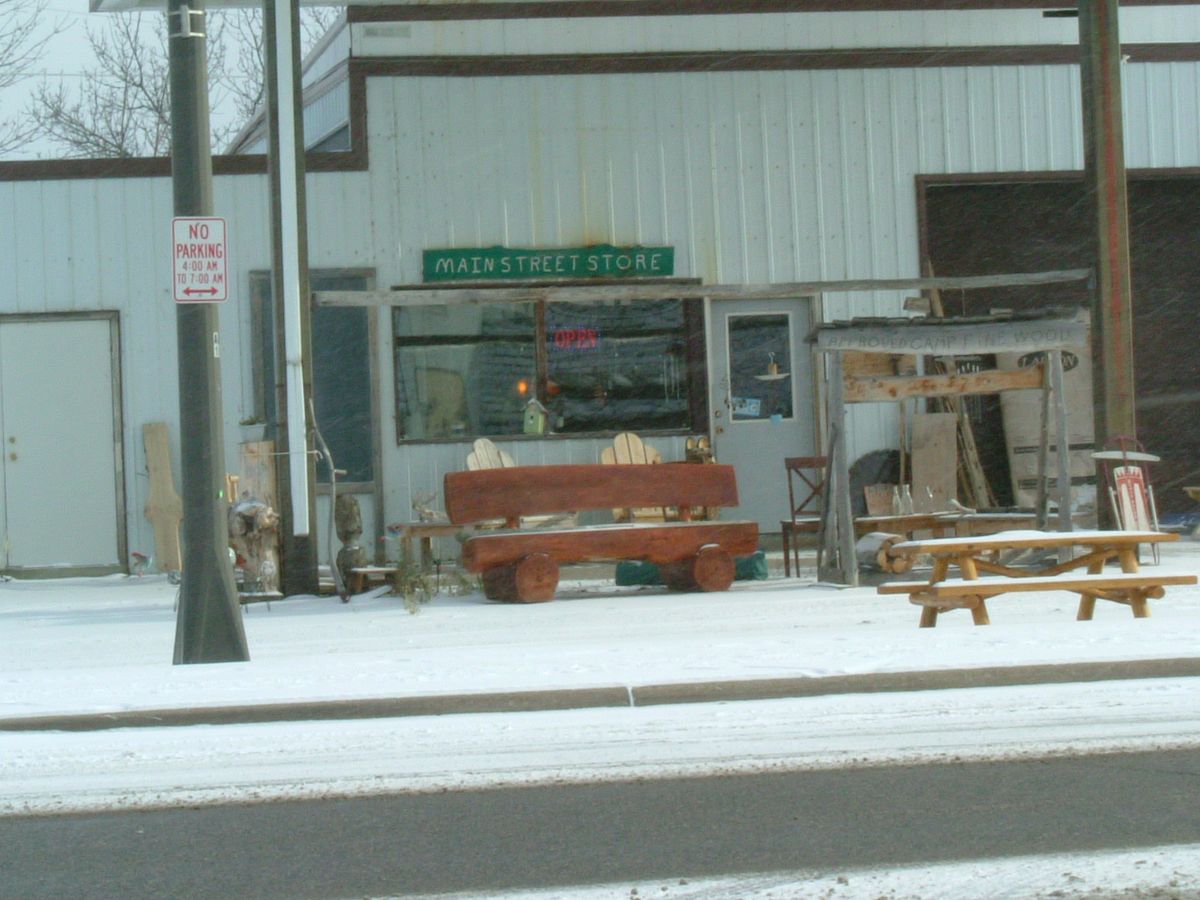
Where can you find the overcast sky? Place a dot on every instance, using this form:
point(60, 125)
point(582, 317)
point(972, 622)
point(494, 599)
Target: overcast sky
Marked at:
point(67, 55)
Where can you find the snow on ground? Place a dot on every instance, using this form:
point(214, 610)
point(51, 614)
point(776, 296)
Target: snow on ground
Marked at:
point(94, 645)
point(1166, 873)
point(90, 645)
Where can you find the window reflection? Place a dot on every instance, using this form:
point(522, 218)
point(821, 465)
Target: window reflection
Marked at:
point(463, 371)
point(760, 367)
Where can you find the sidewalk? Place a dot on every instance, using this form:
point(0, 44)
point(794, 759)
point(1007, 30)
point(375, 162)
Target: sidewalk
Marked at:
point(364, 698)
point(85, 654)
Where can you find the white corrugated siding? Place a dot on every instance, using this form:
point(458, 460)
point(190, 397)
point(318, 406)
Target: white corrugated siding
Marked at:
point(751, 176)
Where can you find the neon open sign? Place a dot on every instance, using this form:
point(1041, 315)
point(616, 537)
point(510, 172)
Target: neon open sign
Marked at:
point(576, 339)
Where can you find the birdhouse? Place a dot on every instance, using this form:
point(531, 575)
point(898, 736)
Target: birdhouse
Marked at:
point(535, 417)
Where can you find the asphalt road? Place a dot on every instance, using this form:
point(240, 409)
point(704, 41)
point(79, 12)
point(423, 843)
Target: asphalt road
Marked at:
point(581, 834)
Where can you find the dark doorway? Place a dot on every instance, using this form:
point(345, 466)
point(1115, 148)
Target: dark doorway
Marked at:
point(1036, 225)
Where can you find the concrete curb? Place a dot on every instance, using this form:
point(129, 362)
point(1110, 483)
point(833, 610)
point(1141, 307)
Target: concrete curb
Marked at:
point(602, 697)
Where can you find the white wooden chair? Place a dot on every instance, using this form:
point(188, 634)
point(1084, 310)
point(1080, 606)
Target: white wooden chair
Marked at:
point(629, 449)
point(486, 455)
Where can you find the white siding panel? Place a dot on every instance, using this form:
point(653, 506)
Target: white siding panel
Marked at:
point(56, 271)
point(29, 247)
point(9, 225)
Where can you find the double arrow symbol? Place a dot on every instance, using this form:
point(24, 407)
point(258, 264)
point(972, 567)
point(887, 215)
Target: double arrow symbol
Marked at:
point(190, 291)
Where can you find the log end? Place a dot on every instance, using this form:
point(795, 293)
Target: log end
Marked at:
point(533, 579)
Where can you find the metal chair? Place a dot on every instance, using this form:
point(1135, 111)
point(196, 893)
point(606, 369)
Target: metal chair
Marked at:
point(806, 492)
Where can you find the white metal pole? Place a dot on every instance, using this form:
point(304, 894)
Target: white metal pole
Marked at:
point(285, 77)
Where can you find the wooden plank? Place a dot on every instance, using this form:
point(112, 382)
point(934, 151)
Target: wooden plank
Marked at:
point(901, 387)
point(954, 338)
point(659, 543)
point(164, 508)
point(467, 294)
point(529, 490)
point(1024, 540)
point(879, 499)
point(1000, 584)
point(934, 460)
point(859, 364)
point(257, 479)
point(993, 586)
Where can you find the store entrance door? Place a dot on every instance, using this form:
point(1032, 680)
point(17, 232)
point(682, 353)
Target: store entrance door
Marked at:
point(761, 400)
point(60, 475)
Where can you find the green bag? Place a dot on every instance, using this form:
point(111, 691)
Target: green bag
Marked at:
point(745, 568)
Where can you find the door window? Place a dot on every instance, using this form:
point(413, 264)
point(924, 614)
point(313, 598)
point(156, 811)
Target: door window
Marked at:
point(760, 367)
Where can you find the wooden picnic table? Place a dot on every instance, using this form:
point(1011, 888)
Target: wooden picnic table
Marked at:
point(973, 555)
point(941, 524)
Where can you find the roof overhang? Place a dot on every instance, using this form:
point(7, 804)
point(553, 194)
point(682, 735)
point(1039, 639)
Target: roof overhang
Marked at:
point(110, 6)
point(641, 7)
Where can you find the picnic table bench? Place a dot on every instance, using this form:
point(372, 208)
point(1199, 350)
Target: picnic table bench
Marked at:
point(973, 555)
point(523, 564)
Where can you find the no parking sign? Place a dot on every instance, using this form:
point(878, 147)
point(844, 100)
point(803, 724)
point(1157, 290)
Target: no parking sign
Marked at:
point(199, 252)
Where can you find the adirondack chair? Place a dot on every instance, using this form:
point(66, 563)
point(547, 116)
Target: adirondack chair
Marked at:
point(629, 449)
point(486, 455)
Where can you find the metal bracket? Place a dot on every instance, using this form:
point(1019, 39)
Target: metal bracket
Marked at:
point(185, 24)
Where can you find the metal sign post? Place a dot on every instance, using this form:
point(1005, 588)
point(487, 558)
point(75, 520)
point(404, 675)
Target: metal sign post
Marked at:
point(208, 626)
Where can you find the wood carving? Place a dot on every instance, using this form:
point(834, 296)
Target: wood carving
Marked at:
point(253, 532)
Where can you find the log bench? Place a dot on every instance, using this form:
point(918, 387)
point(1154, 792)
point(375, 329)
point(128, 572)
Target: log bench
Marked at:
point(1132, 589)
point(523, 564)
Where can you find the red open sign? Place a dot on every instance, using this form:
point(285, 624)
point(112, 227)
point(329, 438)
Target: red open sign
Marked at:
point(576, 339)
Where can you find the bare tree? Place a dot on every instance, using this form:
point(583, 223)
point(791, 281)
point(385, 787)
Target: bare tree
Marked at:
point(122, 107)
point(246, 82)
point(23, 35)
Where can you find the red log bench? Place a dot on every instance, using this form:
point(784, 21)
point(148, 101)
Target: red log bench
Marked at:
point(522, 565)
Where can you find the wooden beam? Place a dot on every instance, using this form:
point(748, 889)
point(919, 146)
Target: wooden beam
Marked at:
point(476, 294)
point(940, 337)
point(992, 381)
point(1104, 177)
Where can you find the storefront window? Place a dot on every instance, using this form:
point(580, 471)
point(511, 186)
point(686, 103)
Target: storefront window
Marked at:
point(466, 371)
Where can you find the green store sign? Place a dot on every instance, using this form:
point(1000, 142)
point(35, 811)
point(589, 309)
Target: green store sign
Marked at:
point(523, 264)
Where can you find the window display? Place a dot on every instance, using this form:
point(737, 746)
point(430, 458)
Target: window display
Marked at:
point(557, 368)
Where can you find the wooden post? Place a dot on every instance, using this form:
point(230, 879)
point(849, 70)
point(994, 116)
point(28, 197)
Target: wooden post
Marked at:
point(1043, 513)
point(837, 495)
point(1062, 441)
point(1104, 178)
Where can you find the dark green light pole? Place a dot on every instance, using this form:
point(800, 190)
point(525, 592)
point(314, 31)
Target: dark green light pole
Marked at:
point(208, 626)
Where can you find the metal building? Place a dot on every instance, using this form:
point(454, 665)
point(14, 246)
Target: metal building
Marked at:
point(479, 141)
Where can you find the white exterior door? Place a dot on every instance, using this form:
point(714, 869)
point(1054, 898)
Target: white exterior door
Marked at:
point(761, 402)
point(61, 466)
